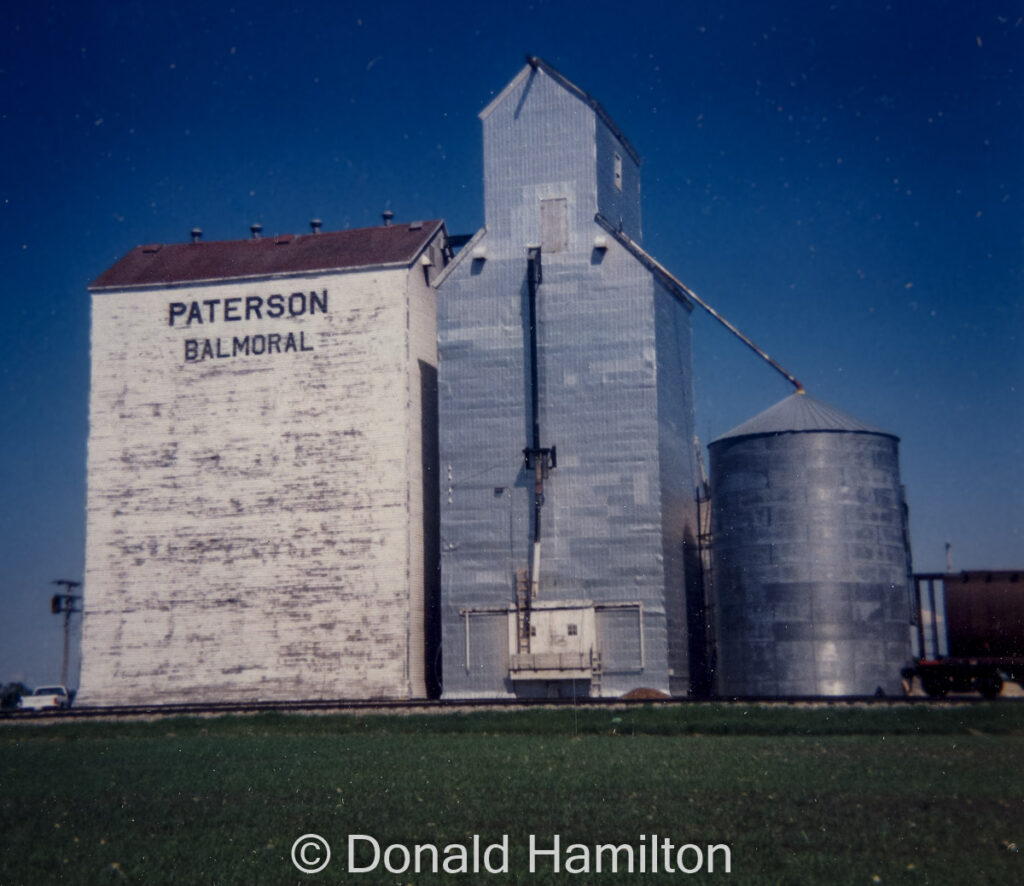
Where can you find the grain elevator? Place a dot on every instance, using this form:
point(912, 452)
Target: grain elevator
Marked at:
point(568, 528)
point(360, 465)
point(262, 481)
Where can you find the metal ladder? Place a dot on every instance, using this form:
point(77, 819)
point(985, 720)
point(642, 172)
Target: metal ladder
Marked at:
point(595, 678)
point(523, 609)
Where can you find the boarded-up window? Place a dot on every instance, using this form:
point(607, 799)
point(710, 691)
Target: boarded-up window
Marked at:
point(617, 171)
point(487, 645)
point(554, 225)
point(620, 634)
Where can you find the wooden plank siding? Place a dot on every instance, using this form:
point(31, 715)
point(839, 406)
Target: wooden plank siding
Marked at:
point(255, 520)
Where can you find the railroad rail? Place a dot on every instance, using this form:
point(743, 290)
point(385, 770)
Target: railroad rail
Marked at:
point(436, 706)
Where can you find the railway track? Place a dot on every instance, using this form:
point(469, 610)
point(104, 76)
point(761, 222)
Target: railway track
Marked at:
point(435, 706)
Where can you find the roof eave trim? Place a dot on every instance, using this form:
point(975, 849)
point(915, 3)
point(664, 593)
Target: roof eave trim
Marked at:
point(534, 63)
point(427, 240)
point(664, 276)
point(466, 250)
point(511, 85)
point(728, 438)
point(206, 281)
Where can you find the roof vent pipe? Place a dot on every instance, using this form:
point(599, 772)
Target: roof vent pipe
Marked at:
point(256, 229)
point(197, 234)
point(387, 215)
point(315, 225)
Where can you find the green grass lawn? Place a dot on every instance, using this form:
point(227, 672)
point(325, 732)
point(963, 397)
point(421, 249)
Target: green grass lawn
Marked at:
point(850, 795)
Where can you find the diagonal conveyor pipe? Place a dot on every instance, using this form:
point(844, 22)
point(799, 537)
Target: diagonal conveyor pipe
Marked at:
point(654, 265)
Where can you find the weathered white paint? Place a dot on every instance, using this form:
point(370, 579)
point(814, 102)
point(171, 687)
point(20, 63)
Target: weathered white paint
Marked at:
point(255, 523)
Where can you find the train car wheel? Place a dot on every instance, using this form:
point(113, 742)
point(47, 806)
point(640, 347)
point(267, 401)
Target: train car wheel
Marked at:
point(989, 685)
point(935, 687)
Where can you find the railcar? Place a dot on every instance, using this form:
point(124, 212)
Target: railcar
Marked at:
point(970, 632)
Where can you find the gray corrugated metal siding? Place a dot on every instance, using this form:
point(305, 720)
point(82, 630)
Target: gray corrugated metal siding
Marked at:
point(810, 557)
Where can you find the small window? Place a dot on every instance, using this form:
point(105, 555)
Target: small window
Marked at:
point(572, 630)
point(618, 171)
point(533, 630)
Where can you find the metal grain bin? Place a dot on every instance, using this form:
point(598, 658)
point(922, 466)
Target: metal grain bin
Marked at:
point(811, 559)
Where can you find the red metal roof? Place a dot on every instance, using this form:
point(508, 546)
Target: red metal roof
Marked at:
point(156, 264)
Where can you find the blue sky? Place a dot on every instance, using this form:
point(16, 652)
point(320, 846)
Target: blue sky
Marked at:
point(843, 181)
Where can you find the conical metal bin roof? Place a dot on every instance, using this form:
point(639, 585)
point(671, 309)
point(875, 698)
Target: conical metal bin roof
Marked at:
point(800, 413)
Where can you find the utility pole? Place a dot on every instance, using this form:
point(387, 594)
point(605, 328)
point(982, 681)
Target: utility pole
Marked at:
point(65, 603)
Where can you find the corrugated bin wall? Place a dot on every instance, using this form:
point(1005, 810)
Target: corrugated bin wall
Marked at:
point(811, 561)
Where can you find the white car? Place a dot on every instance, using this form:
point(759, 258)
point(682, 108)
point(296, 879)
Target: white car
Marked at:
point(46, 697)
